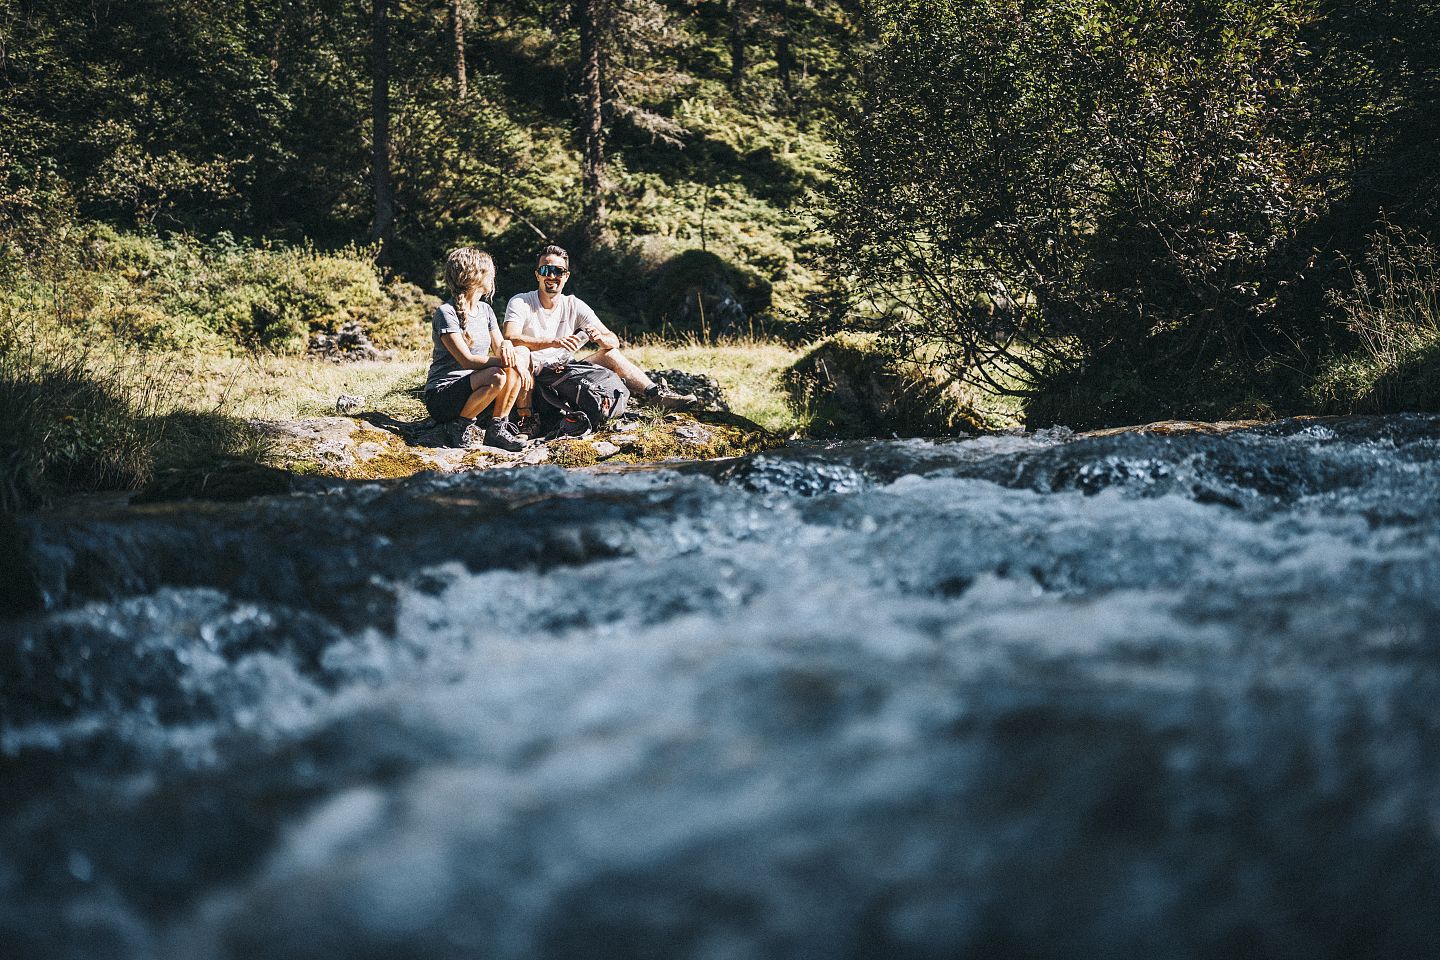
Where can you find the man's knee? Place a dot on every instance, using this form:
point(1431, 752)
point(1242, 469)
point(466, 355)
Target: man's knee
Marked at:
point(613, 359)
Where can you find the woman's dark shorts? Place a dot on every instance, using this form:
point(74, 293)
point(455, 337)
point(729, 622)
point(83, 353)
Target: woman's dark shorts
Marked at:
point(444, 403)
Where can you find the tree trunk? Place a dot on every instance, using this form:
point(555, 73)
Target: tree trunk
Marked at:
point(457, 24)
point(737, 45)
point(591, 17)
point(784, 57)
point(381, 230)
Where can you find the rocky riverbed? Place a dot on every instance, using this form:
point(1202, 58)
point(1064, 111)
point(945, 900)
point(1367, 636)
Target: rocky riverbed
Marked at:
point(1161, 694)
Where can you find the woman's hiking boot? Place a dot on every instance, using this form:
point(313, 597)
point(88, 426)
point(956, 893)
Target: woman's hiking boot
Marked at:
point(502, 434)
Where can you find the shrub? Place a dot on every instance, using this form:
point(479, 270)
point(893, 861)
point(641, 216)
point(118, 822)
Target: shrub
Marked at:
point(853, 388)
point(74, 422)
point(1393, 309)
point(184, 293)
point(1094, 178)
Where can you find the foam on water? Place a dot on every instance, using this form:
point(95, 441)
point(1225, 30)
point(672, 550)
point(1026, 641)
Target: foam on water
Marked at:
point(1024, 695)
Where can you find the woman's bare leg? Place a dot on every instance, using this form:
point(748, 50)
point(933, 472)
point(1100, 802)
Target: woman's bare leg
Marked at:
point(486, 385)
point(509, 387)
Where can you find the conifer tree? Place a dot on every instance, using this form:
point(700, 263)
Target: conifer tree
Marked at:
point(457, 28)
point(381, 229)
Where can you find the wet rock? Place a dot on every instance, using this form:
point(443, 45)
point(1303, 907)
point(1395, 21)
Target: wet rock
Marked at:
point(223, 481)
point(1024, 695)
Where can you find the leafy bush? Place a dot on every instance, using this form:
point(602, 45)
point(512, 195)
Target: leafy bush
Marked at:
point(74, 421)
point(1393, 309)
point(1096, 183)
point(853, 388)
point(184, 293)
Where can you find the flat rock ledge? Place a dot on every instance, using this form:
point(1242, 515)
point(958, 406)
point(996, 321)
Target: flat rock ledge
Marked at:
point(314, 452)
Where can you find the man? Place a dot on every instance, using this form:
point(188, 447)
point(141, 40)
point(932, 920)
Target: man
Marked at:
point(554, 324)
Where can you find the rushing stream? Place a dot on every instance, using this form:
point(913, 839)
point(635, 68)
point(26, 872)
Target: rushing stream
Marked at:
point(1017, 696)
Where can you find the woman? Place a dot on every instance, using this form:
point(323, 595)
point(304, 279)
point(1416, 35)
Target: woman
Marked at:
point(472, 367)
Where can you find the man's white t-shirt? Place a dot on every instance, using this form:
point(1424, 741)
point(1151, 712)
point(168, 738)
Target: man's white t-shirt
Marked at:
point(525, 317)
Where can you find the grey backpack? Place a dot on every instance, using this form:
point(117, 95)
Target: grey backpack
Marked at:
point(580, 387)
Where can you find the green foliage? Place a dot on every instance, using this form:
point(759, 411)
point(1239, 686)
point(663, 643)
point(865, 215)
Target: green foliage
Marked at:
point(1393, 309)
point(251, 117)
point(1133, 210)
point(92, 289)
point(853, 388)
point(74, 422)
point(179, 293)
point(1091, 176)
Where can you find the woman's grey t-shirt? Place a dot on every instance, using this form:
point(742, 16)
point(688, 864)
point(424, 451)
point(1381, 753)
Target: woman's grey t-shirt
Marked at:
point(480, 328)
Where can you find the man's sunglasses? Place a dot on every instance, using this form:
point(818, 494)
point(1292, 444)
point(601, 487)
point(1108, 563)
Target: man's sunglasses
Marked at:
point(551, 270)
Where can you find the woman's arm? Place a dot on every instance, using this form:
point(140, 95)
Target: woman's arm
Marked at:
point(459, 348)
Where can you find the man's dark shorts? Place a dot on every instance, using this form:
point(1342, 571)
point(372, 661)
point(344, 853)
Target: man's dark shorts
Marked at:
point(444, 403)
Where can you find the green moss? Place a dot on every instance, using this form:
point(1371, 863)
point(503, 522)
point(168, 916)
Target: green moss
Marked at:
point(390, 464)
point(477, 459)
point(1408, 380)
point(706, 437)
point(853, 388)
point(573, 453)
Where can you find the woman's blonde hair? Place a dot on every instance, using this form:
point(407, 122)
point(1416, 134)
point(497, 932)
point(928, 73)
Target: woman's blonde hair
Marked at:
point(468, 269)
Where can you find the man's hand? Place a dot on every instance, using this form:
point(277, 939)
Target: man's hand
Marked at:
point(573, 342)
point(507, 353)
point(606, 339)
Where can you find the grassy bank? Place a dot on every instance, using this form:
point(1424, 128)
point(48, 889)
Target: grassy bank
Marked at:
point(750, 372)
point(124, 356)
point(272, 387)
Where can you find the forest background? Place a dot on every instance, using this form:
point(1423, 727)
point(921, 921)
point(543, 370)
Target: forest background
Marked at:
point(1069, 211)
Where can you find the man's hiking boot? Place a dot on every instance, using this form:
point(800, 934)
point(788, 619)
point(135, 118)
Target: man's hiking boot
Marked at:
point(528, 426)
point(502, 434)
point(663, 396)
